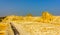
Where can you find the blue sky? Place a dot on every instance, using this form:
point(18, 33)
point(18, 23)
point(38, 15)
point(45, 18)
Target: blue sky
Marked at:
point(23, 7)
point(53, 6)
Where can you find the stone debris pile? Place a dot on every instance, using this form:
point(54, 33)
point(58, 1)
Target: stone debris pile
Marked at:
point(47, 24)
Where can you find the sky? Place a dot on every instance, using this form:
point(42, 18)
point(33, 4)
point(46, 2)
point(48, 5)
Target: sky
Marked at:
point(52, 6)
point(23, 7)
